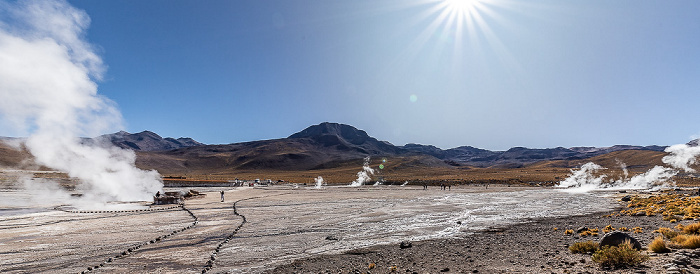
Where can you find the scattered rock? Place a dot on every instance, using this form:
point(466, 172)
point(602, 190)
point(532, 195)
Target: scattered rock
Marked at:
point(627, 198)
point(332, 238)
point(405, 244)
point(681, 260)
point(616, 238)
point(581, 229)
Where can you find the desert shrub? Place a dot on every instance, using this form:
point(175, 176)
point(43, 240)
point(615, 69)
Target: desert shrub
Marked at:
point(688, 241)
point(585, 233)
point(692, 229)
point(555, 229)
point(637, 229)
point(620, 256)
point(679, 227)
point(658, 245)
point(569, 232)
point(672, 218)
point(608, 228)
point(677, 242)
point(667, 232)
point(393, 268)
point(622, 228)
point(587, 247)
point(371, 266)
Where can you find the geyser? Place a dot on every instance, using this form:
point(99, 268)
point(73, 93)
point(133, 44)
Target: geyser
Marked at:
point(48, 91)
point(363, 176)
point(680, 157)
point(319, 182)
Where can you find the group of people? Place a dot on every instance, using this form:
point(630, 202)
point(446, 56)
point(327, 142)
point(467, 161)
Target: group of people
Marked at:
point(443, 186)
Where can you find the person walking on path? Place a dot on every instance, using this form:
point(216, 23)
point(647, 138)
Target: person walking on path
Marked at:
point(222, 196)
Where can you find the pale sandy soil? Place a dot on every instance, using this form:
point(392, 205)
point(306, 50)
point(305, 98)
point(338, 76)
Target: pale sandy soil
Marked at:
point(305, 230)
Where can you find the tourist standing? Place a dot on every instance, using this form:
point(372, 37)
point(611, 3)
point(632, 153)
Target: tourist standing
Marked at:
point(222, 196)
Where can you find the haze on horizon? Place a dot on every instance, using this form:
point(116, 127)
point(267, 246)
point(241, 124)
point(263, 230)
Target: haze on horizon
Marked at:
point(492, 74)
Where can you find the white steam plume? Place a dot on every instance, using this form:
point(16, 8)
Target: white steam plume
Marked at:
point(682, 156)
point(319, 182)
point(364, 175)
point(585, 179)
point(623, 166)
point(47, 91)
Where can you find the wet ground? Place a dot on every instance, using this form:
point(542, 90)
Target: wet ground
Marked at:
point(256, 229)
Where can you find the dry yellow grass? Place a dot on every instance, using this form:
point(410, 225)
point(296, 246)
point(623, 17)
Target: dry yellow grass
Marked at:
point(587, 247)
point(687, 241)
point(673, 207)
point(667, 232)
point(608, 228)
point(691, 228)
point(620, 256)
point(658, 245)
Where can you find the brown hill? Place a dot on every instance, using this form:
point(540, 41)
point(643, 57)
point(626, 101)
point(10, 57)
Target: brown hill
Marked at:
point(11, 156)
point(634, 160)
point(322, 146)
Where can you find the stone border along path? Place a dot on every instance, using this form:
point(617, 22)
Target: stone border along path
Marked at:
point(212, 258)
point(133, 249)
point(210, 262)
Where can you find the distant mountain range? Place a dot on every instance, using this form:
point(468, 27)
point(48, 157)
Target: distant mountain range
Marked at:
point(517, 156)
point(333, 142)
point(148, 141)
point(327, 145)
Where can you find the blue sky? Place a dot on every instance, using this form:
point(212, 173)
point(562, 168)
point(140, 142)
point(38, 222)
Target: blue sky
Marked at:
point(508, 73)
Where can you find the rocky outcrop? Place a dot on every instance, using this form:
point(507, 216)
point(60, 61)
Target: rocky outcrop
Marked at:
point(616, 238)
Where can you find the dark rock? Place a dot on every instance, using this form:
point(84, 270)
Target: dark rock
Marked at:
point(446, 269)
point(581, 229)
point(627, 198)
point(332, 238)
point(405, 244)
point(616, 238)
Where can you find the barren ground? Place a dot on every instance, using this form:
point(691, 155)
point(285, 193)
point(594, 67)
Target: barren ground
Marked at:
point(331, 230)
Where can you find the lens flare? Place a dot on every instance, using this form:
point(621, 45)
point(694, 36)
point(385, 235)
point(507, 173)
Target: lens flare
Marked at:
point(462, 6)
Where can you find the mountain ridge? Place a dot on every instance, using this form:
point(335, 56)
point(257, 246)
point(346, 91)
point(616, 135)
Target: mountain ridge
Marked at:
point(328, 145)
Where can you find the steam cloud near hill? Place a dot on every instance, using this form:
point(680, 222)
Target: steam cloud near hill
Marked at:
point(680, 157)
point(47, 91)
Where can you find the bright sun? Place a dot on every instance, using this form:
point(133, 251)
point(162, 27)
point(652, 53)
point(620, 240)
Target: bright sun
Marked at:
point(461, 6)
